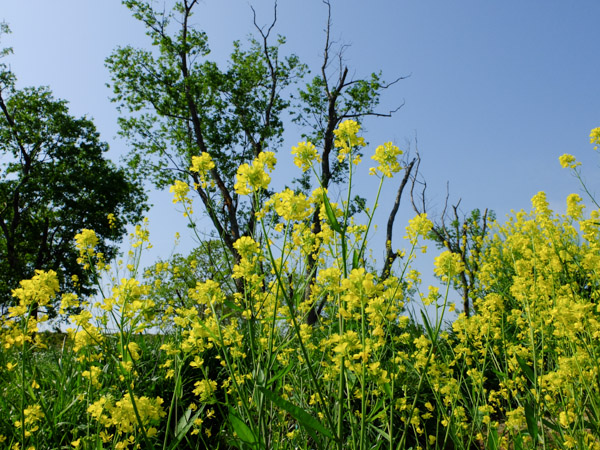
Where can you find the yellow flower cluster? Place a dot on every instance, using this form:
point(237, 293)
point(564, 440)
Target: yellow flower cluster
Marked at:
point(568, 161)
point(418, 227)
point(121, 414)
point(537, 314)
point(448, 265)
point(595, 137)
point(290, 206)
point(202, 165)
point(305, 155)
point(346, 138)
point(387, 157)
point(253, 178)
point(180, 191)
point(33, 416)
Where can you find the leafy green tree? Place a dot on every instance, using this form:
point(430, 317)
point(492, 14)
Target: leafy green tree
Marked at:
point(176, 104)
point(55, 181)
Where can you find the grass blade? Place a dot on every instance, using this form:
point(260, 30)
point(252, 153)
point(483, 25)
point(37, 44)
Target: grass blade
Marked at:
point(304, 418)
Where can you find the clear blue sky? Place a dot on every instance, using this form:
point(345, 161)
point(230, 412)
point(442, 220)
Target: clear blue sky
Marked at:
point(497, 90)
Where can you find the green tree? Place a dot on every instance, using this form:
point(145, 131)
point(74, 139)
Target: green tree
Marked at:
point(54, 181)
point(176, 104)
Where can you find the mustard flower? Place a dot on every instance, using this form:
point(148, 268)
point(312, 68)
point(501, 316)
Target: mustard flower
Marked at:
point(347, 135)
point(574, 206)
point(305, 154)
point(39, 290)
point(387, 157)
point(568, 161)
point(595, 137)
point(180, 192)
point(253, 178)
point(417, 227)
point(291, 206)
point(202, 164)
point(204, 390)
point(448, 265)
point(540, 204)
point(347, 138)
point(112, 220)
point(246, 247)
point(86, 242)
point(141, 233)
point(68, 300)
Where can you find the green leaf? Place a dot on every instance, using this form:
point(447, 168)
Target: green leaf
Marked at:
point(528, 371)
point(385, 435)
point(427, 325)
point(556, 428)
point(493, 440)
point(305, 419)
point(233, 306)
point(243, 431)
point(532, 425)
point(375, 410)
point(183, 426)
point(387, 389)
point(331, 219)
point(280, 374)
point(355, 259)
point(518, 442)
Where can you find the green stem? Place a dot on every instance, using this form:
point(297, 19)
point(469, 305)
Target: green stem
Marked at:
point(289, 302)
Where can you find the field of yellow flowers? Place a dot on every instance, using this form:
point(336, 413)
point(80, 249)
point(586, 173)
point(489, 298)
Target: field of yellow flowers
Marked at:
point(244, 370)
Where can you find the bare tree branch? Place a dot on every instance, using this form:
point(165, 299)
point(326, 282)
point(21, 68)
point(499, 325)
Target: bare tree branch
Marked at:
point(390, 255)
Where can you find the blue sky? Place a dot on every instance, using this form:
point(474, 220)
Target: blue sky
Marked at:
point(497, 90)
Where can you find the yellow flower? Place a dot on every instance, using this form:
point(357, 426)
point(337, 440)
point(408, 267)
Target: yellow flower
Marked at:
point(417, 227)
point(595, 137)
point(304, 155)
point(112, 220)
point(40, 289)
point(569, 161)
point(202, 164)
point(246, 247)
point(180, 190)
point(540, 204)
point(291, 206)
point(205, 389)
point(347, 135)
point(574, 206)
point(448, 265)
point(254, 178)
point(387, 157)
point(134, 350)
point(86, 241)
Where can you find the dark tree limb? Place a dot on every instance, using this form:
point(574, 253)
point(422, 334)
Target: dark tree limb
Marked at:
point(390, 255)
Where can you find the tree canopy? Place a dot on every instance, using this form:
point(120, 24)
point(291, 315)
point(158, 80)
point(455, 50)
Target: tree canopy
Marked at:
point(192, 122)
point(55, 181)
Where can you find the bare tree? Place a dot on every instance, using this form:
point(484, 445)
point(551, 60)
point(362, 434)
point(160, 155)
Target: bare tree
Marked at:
point(458, 233)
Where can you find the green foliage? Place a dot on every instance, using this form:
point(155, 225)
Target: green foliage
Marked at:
point(54, 181)
point(174, 277)
point(177, 104)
